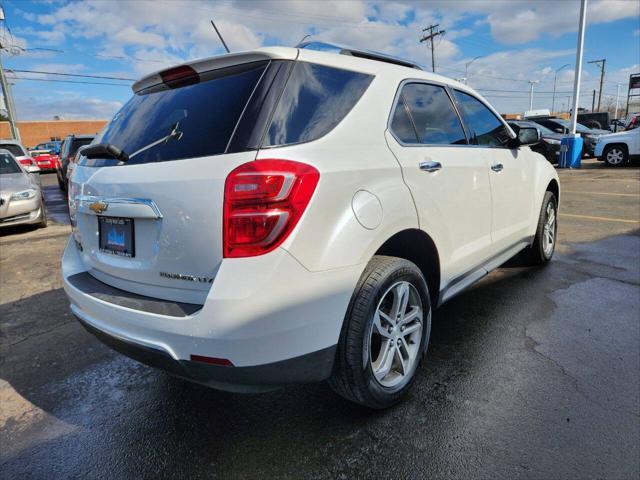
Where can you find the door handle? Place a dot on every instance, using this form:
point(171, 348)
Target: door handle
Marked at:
point(497, 167)
point(430, 166)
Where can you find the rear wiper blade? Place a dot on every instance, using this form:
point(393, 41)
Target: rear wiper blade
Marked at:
point(108, 150)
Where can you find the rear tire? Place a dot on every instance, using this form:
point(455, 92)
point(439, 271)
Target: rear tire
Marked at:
point(43, 216)
point(615, 155)
point(384, 335)
point(544, 242)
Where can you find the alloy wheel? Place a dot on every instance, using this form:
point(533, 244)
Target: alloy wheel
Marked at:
point(395, 334)
point(615, 156)
point(549, 230)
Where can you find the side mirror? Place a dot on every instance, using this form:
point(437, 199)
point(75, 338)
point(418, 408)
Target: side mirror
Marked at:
point(32, 169)
point(529, 136)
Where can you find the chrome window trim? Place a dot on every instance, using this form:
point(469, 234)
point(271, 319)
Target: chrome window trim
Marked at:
point(398, 96)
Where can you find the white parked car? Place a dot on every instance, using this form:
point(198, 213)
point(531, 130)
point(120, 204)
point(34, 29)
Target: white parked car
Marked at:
point(288, 215)
point(616, 149)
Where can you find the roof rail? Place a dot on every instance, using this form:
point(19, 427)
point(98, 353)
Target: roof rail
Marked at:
point(357, 52)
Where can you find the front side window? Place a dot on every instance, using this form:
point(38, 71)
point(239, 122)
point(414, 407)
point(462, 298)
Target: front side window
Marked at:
point(315, 99)
point(433, 115)
point(484, 127)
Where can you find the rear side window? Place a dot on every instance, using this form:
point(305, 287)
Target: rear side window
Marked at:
point(315, 99)
point(434, 118)
point(402, 125)
point(484, 127)
point(205, 114)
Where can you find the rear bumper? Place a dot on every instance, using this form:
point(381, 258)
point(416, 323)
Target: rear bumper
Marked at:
point(275, 321)
point(315, 366)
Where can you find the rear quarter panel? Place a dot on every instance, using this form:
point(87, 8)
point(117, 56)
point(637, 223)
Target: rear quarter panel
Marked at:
point(353, 157)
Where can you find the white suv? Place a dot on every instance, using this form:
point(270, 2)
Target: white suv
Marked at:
point(289, 215)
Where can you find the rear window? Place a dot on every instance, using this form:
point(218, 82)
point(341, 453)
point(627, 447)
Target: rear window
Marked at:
point(205, 114)
point(14, 149)
point(315, 99)
point(77, 143)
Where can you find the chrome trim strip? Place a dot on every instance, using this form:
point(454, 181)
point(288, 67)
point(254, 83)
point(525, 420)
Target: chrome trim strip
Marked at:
point(84, 200)
point(444, 292)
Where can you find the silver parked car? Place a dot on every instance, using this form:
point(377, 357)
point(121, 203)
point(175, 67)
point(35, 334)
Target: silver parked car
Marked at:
point(21, 198)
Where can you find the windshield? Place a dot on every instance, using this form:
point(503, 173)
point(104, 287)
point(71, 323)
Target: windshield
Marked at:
point(13, 148)
point(567, 124)
point(543, 130)
point(8, 165)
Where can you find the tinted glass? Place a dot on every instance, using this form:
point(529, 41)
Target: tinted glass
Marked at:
point(517, 125)
point(315, 99)
point(79, 142)
point(13, 148)
point(8, 165)
point(433, 115)
point(205, 114)
point(401, 125)
point(484, 127)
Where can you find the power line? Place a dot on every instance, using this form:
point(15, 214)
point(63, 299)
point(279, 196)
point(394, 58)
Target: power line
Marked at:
point(73, 75)
point(68, 81)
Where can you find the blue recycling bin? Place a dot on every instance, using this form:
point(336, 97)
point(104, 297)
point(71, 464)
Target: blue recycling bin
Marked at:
point(570, 152)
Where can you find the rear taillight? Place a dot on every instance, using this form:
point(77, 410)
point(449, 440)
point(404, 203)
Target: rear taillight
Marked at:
point(27, 161)
point(263, 201)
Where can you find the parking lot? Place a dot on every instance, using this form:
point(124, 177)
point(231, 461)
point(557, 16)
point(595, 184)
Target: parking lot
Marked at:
point(531, 373)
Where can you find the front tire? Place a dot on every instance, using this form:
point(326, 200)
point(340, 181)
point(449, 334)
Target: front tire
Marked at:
point(544, 242)
point(384, 335)
point(615, 155)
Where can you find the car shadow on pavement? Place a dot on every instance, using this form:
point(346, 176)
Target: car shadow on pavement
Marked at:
point(152, 423)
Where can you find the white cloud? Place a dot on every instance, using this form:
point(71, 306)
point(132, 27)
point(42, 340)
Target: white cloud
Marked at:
point(68, 105)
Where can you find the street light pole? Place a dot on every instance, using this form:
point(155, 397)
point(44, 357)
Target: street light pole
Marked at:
point(466, 69)
point(555, 77)
point(617, 99)
point(576, 80)
point(532, 83)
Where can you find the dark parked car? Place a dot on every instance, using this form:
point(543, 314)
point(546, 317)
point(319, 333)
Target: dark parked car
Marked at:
point(560, 125)
point(68, 150)
point(549, 147)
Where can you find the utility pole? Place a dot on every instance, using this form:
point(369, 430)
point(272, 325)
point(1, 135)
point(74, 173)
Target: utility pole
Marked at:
point(602, 64)
point(555, 77)
point(430, 37)
point(8, 100)
point(617, 99)
point(593, 102)
point(532, 83)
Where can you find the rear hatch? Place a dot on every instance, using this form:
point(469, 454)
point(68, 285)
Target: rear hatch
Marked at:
point(153, 225)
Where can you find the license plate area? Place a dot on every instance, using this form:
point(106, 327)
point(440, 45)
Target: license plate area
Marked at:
point(116, 236)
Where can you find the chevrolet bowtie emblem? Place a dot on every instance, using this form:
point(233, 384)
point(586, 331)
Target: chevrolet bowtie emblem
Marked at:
point(99, 207)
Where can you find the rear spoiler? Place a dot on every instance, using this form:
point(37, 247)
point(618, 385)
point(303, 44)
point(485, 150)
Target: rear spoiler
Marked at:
point(213, 63)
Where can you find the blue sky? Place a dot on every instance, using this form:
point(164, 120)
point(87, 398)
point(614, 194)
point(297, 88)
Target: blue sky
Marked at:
point(516, 41)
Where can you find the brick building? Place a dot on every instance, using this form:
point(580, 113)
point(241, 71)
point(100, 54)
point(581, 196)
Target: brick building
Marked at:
point(34, 132)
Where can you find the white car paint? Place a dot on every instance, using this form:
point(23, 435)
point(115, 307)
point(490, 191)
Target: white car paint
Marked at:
point(630, 138)
point(292, 301)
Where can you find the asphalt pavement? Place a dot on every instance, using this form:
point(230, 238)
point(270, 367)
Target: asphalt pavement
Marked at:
point(532, 373)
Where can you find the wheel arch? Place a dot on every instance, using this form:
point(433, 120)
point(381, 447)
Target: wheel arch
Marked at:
point(554, 188)
point(418, 247)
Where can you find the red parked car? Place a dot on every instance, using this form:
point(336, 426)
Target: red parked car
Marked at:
point(45, 159)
